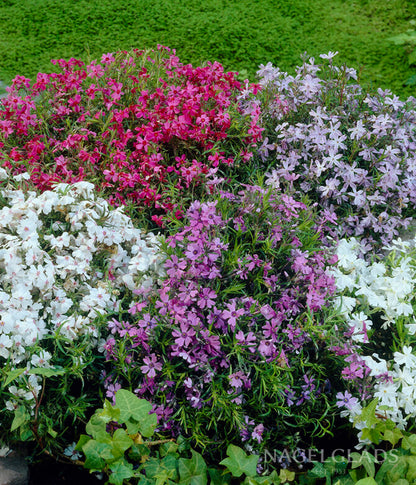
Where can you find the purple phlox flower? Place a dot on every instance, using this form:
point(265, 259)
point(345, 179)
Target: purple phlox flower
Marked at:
point(248, 340)
point(109, 347)
point(257, 433)
point(188, 293)
point(300, 262)
point(354, 371)
point(270, 329)
point(137, 307)
point(206, 298)
point(384, 378)
point(194, 251)
point(290, 395)
point(267, 312)
point(231, 314)
point(263, 151)
point(147, 322)
point(239, 224)
point(184, 336)
point(216, 318)
point(266, 348)
point(237, 379)
point(244, 430)
point(151, 366)
point(209, 215)
point(346, 400)
point(309, 383)
point(193, 395)
point(114, 326)
point(175, 266)
point(111, 391)
point(211, 343)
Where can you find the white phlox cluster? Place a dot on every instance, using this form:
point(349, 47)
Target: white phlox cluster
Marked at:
point(64, 256)
point(386, 288)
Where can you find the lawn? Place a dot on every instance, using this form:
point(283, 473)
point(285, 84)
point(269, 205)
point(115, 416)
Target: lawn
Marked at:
point(241, 34)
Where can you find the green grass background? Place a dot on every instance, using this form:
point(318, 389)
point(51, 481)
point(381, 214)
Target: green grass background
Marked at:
point(241, 34)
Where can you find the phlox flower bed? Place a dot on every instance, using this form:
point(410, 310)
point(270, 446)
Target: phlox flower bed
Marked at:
point(246, 320)
point(134, 124)
point(351, 151)
point(66, 261)
point(233, 346)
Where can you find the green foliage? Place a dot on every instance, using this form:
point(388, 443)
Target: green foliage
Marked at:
point(238, 33)
point(408, 41)
point(394, 463)
point(115, 445)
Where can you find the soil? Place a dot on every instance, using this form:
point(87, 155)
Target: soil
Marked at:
point(58, 474)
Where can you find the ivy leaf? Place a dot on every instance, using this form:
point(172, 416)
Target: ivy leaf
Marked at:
point(411, 472)
point(121, 442)
point(193, 471)
point(92, 451)
point(134, 412)
point(368, 414)
point(409, 443)
point(219, 477)
point(162, 470)
point(364, 459)
point(393, 436)
point(367, 481)
point(97, 428)
point(239, 463)
point(83, 439)
point(109, 412)
point(120, 470)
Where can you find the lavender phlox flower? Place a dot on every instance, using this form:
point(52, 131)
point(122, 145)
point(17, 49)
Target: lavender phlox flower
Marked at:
point(345, 399)
point(257, 433)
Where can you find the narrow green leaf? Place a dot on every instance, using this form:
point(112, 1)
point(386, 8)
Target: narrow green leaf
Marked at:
point(12, 375)
point(47, 372)
point(20, 417)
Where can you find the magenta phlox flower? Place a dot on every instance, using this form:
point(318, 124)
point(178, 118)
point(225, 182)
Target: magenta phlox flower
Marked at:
point(151, 366)
point(248, 340)
point(300, 262)
point(236, 379)
point(353, 371)
point(194, 251)
point(188, 292)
